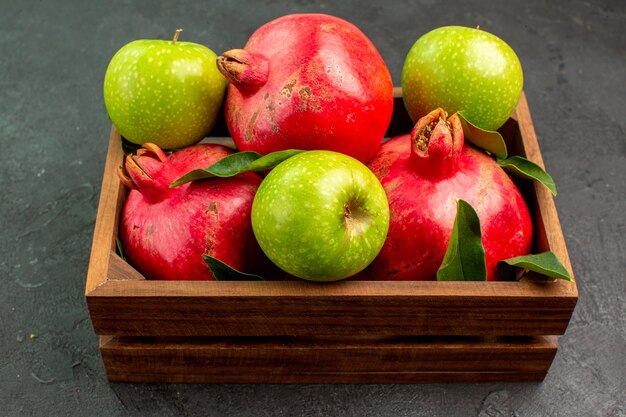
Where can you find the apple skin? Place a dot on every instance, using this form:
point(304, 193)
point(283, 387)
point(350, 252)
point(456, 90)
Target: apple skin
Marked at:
point(164, 92)
point(465, 70)
point(321, 216)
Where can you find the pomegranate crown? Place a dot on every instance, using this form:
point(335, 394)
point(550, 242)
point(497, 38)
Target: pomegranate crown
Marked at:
point(149, 171)
point(436, 143)
point(245, 70)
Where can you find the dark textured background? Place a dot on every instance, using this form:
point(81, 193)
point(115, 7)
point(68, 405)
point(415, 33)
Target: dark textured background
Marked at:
point(54, 131)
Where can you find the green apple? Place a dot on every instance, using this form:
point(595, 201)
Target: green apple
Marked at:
point(165, 92)
point(464, 70)
point(321, 216)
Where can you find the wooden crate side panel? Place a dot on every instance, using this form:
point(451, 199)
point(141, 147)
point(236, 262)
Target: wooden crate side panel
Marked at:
point(141, 308)
point(288, 360)
point(330, 378)
point(105, 229)
point(547, 222)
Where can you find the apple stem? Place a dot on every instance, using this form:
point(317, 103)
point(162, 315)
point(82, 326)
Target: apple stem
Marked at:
point(477, 27)
point(176, 35)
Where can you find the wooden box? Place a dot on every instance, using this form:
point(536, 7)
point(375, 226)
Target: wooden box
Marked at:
point(342, 332)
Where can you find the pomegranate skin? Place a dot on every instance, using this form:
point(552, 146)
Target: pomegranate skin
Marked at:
point(422, 205)
point(308, 81)
point(165, 231)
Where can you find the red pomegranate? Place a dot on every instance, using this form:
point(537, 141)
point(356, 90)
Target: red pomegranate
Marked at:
point(308, 81)
point(424, 174)
point(164, 231)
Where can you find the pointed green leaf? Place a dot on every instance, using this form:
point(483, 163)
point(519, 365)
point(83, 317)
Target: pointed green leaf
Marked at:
point(224, 272)
point(465, 257)
point(271, 160)
point(231, 164)
point(237, 163)
point(489, 140)
point(522, 167)
point(120, 248)
point(545, 263)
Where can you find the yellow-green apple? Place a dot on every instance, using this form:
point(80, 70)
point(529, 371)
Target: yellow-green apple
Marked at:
point(464, 70)
point(164, 92)
point(320, 216)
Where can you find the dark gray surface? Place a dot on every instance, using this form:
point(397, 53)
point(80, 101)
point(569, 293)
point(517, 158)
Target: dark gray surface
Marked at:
point(54, 131)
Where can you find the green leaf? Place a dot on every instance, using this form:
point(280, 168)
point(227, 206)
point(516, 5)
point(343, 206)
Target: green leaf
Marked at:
point(465, 257)
point(237, 163)
point(522, 167)
point(120, 248)
point(545, 263)
point(489, 140)
point(224, 272)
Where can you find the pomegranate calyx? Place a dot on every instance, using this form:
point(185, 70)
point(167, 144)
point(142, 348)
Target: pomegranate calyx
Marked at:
point(436, 143)
point(246, 71)
point(148, 171)
point(148, 148)
point(125, 179)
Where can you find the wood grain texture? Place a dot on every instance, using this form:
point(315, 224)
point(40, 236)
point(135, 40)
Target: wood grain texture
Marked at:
point(105, 229)
point(314, 360)
point(151, 308)
point(547, 224)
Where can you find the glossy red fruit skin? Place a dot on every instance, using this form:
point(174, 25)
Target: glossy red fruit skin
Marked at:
point(308, 81)
point(165, 231)
point(422, 205)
